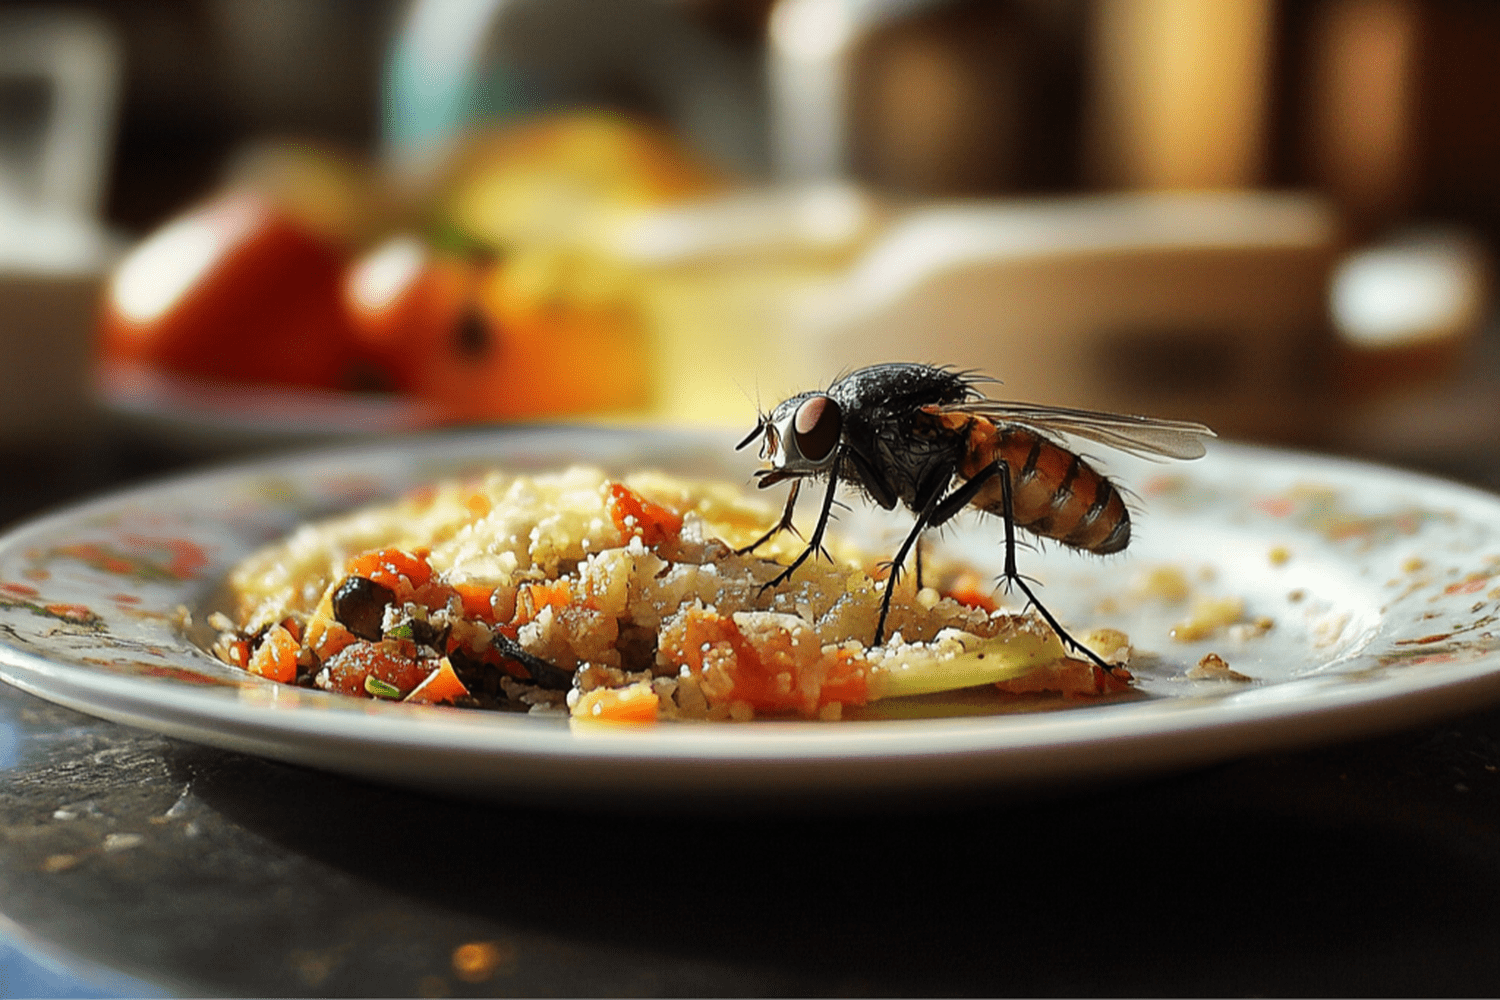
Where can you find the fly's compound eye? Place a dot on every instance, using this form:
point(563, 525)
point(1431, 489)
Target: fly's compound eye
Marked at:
point(817, 427)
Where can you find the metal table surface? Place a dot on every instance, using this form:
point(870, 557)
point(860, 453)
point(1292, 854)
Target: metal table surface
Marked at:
point(132, 863)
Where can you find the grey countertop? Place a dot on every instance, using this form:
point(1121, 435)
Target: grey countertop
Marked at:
point(136, 863)
point(132, 863)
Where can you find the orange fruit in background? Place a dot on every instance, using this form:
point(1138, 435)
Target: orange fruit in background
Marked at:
point(480, 338)
point(262, 286)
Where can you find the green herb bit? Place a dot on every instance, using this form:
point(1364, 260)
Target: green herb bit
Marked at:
point(380, 689)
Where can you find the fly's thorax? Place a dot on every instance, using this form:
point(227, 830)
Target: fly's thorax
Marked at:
point(898, 390)
point(909, 451)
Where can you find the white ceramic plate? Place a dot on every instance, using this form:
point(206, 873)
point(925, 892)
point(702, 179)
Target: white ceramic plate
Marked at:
point(1382, 587)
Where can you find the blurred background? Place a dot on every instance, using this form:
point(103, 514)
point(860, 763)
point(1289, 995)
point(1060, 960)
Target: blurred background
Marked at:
point(226, 224)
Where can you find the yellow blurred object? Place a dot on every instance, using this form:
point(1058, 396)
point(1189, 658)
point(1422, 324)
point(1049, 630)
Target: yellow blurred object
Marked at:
point(556, 182)
point(334, 195)
point(1182, 93)
point(722, 283)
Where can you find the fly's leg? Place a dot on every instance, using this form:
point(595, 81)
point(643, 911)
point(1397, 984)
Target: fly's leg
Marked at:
point(999, 468)
point(937, 513)
point(923, 517)
point(815, 543)
point(785, 524)
point(934, 512)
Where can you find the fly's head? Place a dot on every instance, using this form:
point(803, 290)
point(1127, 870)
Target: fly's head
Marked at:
point(799, 438)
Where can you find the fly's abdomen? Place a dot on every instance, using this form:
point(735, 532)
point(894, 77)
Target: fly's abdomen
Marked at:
point(1054, 493)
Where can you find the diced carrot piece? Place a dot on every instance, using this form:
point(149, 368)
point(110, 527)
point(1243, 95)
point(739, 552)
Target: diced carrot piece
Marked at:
point(276, 658)
point(238, 652)
point(441, 685)
point(633, 705)
point(328, 638)
point(478, 600)
point(531, 598)
point(633, 514)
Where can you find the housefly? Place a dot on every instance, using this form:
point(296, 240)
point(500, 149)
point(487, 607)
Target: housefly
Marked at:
point(926, 437)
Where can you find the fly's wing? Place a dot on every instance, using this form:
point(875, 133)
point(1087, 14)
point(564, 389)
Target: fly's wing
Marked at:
point(1147, 437)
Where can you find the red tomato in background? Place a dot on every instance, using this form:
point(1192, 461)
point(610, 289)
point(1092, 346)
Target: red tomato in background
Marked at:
point(235, 291)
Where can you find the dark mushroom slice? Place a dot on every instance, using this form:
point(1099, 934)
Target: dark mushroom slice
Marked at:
point(359, 605)
point(543, 674)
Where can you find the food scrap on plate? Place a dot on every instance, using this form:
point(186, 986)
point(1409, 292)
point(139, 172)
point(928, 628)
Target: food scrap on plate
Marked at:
point(621, 600)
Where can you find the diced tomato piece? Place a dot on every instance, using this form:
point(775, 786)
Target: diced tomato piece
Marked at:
point(695, 632)
point(276, 658)
point(846, 681)
point(392, 661)
point(771, 673)
point(634, 515)
point(432, 595)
